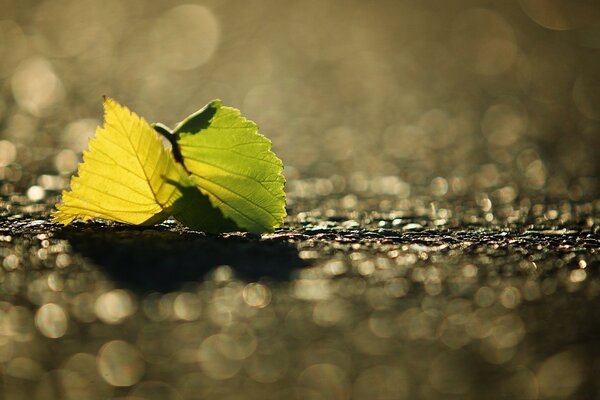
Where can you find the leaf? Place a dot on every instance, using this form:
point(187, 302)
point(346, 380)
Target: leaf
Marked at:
point(127, 175)
point(221, 175)
point(234, 166)
point(195, 211)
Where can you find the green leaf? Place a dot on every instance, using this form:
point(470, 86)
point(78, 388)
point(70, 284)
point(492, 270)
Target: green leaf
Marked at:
point(231, 163)
point(195, 210)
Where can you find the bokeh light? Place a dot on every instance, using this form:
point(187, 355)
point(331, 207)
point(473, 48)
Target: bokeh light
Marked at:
point(406, 90)
point(51, 320)
point(120, 363)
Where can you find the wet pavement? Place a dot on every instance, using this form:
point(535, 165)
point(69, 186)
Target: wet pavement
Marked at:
point(431, 300)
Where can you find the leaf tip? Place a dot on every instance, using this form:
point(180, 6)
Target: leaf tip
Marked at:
point(108, 101)
point(58, 217)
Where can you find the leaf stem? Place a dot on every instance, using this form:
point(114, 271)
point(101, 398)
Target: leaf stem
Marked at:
point(172, 138)
point(163, 130)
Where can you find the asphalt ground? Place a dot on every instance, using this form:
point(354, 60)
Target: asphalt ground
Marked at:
point(338, 304)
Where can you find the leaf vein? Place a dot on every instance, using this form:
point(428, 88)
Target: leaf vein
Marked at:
point(89, 171)
point(239, 195)
point(115, 163)
point(260, 182)
point(111, 194)
point(137, 156)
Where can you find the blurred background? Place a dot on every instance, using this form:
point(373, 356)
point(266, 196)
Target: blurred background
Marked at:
point(443, 97)
point(442, 165)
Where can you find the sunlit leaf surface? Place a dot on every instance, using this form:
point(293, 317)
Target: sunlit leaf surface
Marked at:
point(234, 166)
point(127, 175)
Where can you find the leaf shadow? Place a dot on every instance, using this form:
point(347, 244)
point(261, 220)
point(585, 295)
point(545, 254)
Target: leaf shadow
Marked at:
point(163, 260)
point(195, 210)
point(198, 120)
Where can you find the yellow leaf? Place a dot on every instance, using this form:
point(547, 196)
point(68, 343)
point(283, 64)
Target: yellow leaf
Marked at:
point(127, 175)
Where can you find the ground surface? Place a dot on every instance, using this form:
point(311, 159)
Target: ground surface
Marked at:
point(432, 301)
